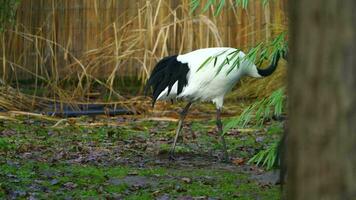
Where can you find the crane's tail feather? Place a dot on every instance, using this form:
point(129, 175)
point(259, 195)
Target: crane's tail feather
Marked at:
point(166, 73)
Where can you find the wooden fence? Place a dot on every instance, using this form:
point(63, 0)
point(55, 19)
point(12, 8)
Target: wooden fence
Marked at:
point(59, 39)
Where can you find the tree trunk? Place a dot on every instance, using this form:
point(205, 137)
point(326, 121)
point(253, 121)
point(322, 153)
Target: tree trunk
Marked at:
point(321, 146)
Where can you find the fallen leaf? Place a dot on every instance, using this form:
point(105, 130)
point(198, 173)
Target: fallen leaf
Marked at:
point(133, 173)
point(7, 132)
point(70, 185)
point(200, 198)
point(238, 161)
point(156, 193)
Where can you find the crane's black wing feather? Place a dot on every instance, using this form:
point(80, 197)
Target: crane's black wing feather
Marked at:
point(167, 71)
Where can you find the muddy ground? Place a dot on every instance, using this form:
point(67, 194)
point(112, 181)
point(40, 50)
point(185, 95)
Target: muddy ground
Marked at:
point(126, 157)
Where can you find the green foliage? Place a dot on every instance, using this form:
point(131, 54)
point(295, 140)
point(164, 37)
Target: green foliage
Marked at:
point(269, 50)
point(260, 111)
point(268, 157)
point(219, 4)
point(5, 145)
point(7, 12)
point(208, 60)
point(263, 51)
point(242, 3)
point(258, 54)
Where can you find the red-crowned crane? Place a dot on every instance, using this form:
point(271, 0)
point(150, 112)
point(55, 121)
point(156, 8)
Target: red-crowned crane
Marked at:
point(192, 77)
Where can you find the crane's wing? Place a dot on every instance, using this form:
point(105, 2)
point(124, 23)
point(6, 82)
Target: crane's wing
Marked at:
point(166, 73)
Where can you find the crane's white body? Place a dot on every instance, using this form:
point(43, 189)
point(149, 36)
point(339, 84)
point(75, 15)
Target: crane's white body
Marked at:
point(192, 77)
point(206, 84)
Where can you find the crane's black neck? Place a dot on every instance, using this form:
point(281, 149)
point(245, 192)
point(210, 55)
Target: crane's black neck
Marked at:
point(271, 68)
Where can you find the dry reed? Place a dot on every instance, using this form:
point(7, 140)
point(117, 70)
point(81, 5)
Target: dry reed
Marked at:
point(71, 63)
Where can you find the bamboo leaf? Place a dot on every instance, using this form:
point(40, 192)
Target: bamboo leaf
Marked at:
point(223, 63)
point(234, 63)
point(208, 4)
point(194, 4)
point(244, 3)
point(220, 6)
point(265, 3)
point(205, 63)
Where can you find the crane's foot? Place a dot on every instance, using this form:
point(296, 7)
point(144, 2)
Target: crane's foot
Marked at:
point(171, 156)
point(225, 157)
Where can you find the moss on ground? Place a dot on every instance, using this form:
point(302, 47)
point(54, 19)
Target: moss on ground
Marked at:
point(128, 161)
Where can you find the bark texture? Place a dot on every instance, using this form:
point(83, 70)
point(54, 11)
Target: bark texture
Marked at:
point(321, 141)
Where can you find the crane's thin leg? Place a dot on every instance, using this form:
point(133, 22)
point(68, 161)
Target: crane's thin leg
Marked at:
point(179, 128)
point(220, 132)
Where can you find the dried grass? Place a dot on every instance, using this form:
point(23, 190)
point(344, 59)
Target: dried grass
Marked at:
point(130, 44)
point(257, 88)
point(11, 99)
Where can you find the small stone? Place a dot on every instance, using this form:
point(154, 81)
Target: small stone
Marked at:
point(187, 180)
point(179, 188)
point(164, 197)
point(54, 182)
